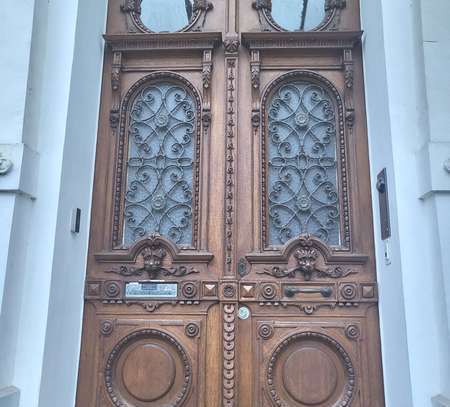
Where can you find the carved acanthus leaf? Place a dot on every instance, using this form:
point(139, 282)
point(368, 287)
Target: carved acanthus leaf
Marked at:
point(307, 264)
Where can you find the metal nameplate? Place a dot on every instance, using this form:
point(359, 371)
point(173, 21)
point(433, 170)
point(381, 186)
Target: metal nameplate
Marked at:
point(151, 290)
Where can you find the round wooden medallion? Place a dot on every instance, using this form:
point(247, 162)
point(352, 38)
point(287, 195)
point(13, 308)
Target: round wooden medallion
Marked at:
point(148, 372)
point(148, 368)
point(310, 376)
point(310, 369)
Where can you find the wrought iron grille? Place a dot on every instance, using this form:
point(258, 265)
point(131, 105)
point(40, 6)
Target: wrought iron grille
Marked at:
point(302, 167)
point(160, 164)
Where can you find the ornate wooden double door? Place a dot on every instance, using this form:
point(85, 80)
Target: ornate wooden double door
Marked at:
point(231, 258)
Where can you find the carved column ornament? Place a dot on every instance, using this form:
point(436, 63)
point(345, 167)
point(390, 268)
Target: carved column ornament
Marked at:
point(348, 91)
point(115, 86)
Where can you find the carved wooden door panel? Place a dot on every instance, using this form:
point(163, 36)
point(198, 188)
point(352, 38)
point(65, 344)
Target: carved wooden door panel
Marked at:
point(231, 253)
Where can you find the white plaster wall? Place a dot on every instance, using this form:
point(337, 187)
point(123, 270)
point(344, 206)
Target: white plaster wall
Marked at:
point(395, 356)
point(396, 137)
point(436, 48)
point(64, 322)
point(41, 313)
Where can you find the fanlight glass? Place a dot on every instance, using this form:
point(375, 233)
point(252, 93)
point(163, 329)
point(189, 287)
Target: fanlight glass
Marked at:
point(166, 15)
point(302, 166)
point(159, 194)
point(298, 15)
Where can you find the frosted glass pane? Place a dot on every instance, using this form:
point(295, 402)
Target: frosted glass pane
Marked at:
point(302, 167)
point(160, 164)
point(166, 15)
point(295, 15)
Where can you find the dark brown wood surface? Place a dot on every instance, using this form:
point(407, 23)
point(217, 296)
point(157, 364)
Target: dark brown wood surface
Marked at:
point(312, 335)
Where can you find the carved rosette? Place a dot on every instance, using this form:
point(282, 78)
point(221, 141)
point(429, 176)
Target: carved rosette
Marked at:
point(192, 330)
point(229, 333)
point(265, 331)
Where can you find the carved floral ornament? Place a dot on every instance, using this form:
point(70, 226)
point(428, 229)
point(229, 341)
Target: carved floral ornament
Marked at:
point(309, 263)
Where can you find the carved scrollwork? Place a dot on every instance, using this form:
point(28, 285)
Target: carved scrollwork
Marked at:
point(330, 22)
point(307, 258)
point(197, 16)
point(152, 257)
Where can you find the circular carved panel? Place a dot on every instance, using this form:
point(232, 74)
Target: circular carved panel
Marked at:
point(148, 368)
point(310, 376)
point(310, 369)
point(156, 372)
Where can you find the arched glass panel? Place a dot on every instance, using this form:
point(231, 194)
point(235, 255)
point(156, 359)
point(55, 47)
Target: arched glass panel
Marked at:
point(298, 15)
point(302, 167)
point(166, 15)
point(159, 194)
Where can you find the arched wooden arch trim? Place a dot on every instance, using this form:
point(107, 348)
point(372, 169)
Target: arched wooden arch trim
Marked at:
point(341, 153)
point(120, 171)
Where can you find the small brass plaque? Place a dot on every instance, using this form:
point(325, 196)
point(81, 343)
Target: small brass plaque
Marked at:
point(151, 290)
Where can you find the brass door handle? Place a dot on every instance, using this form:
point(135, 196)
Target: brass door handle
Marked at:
point(324, 291)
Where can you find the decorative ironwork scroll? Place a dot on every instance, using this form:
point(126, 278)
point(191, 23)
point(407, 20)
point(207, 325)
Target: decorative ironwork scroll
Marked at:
point(161, 160)
point(302, 163)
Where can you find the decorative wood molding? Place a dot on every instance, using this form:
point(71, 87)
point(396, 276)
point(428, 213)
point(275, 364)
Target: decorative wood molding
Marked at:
point(301, 40)
point(150, 244)
point(116, 70)
point(229, 354)
point(348, 90)
point(230, 151)
point(330, 255)
point(163, 41)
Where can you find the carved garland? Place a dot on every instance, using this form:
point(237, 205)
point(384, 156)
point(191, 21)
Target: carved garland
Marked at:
point(229, 379)
point(132, 9)
point(341, 147)
point(349, 390)
point(330, 21)
point(123, 343)
point(120, 176)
